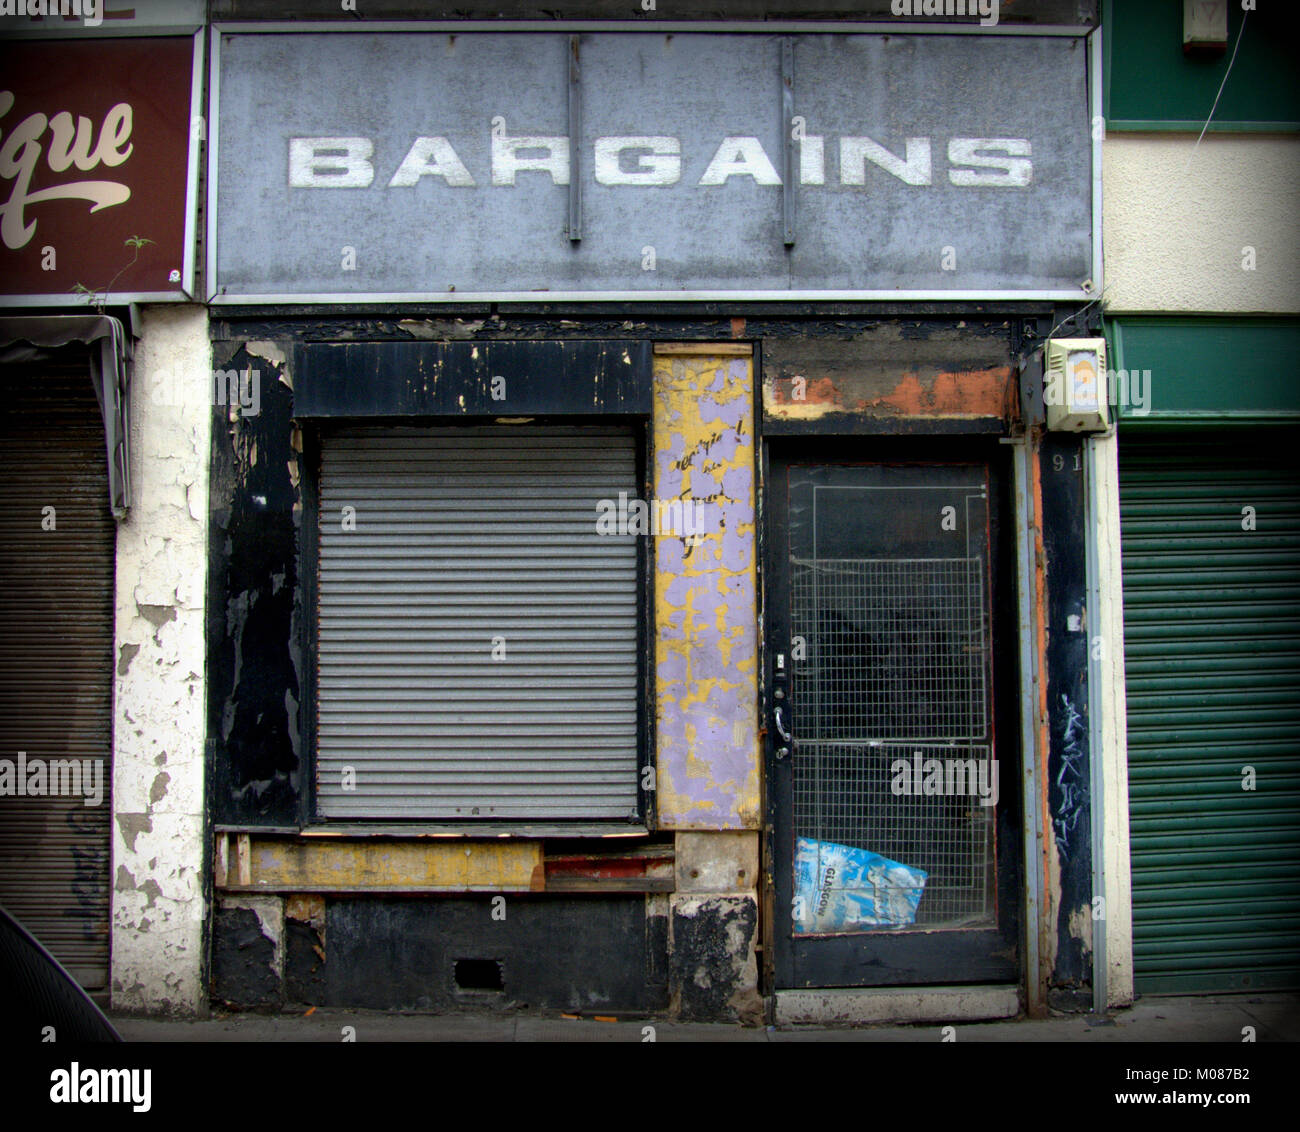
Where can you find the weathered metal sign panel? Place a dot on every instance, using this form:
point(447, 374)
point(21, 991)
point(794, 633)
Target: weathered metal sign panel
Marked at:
point(98, 168)
point(404, 164)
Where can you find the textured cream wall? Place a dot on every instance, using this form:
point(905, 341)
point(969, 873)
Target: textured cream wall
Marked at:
point(1175, 223)
point(159, 695)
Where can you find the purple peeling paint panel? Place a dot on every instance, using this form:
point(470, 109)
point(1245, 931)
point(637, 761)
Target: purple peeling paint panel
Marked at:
point(707, 717)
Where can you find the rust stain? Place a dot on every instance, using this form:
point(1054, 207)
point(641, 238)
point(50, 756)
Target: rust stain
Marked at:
point(977, 393)
point(1050, 886)
point(960, 393)
point(821, 390)
point(305, 908)
point(737, 327)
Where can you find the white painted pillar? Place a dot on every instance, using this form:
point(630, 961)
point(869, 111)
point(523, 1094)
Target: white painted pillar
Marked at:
point(1106, 694)
point(159, 691)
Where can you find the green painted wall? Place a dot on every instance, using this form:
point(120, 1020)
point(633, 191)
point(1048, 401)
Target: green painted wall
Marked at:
point(1151, 85)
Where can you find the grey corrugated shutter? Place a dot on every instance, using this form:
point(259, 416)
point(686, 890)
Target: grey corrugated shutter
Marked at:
point(1212, 650)
point(56, 656)
point(477, 643)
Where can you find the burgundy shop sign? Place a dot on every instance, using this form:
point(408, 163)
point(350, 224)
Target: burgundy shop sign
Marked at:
point(98, 155)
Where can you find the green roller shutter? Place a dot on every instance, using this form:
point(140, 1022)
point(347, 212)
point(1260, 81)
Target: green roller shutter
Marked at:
point(1212, 650)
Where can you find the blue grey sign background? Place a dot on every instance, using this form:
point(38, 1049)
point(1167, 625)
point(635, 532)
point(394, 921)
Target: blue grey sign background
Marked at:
point(436, 240)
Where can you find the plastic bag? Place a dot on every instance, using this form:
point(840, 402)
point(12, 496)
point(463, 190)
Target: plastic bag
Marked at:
point(842, 889)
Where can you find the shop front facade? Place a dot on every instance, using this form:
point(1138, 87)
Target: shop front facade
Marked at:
point(590, 517)
point(612, 517)
point(641, 576)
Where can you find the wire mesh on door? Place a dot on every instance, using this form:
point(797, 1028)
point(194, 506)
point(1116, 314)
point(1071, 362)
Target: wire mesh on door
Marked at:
point(890, 672)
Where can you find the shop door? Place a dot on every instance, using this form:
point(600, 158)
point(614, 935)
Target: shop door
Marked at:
point(892, 787)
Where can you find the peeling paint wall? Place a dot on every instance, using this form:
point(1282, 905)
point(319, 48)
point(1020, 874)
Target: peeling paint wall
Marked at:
point(713, 959)
point(1069, 755)
point(255, 666)
point(714, 972)
point(159, 695)
point(248, 952)
point(706, 613)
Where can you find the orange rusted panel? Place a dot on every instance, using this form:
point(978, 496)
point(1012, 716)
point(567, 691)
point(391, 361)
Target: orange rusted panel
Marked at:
point(927, 371)
point(949, 394)
point(968, 393)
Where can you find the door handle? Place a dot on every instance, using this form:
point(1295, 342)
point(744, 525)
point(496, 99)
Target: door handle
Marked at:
point(781, 729)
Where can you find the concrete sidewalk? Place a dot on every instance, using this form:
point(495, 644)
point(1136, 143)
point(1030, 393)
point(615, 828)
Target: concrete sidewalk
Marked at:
point(1275, 1018)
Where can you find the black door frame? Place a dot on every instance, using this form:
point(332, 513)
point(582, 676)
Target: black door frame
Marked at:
point(912, 958)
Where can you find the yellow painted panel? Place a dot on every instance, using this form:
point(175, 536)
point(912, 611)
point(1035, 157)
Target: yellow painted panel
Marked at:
point(445, 865)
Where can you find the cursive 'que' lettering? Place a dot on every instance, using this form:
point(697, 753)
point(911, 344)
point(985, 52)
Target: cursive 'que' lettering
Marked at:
point(69, 145)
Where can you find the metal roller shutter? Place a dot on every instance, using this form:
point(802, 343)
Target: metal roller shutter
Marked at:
point(477, 638)
point(56, 657)
point(1212, 648)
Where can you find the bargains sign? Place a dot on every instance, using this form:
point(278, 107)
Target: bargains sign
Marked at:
point(640, 165)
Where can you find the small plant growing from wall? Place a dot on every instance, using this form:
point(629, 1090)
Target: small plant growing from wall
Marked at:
point(100, 297)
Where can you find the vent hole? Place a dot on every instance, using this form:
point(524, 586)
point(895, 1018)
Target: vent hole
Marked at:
point(479, 975)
